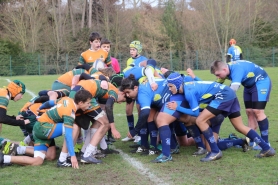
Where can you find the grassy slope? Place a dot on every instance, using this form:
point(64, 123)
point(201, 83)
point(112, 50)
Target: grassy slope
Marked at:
point(235, 167)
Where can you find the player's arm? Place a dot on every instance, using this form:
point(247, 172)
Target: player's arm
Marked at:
point(87, 67)
point(235, 87)
point(142, 121)
point(81, 60)
point(109, 111)
point(68, 124)
point(11, 120)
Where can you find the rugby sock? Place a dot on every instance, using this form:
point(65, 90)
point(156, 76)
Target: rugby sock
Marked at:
point(258, 140)
point(224, 144)
point(130, 121)
point(144, 136)
point(90, 150)
point(27, 140)
point(88, 137)
point(21, 150)
point(103, 144)
point(153, 133)
point(174, 141)
point(63, 156)
point(47, 104)
point(211, 140)
point(80, 139)
point(263, 125)
point(165, 136)
point(196, 134)
point(7, 159)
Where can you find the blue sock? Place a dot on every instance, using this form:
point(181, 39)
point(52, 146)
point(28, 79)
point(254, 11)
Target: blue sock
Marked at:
point(263, 125)
point(144, 137)
point(130, 121)
point(153, 133)
point(165, 136)
point(196, 134)
point(224, 144)
point(174, 141)
point(47, 105)
point(211, 140)
point(257, 139)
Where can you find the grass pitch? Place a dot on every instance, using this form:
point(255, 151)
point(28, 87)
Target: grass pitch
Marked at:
point(235, 167)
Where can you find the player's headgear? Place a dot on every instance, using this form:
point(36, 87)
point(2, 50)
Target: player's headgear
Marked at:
point(137, 45)
point(116, 80)
point(175, 79)
point(232, 41)
point(15, 87)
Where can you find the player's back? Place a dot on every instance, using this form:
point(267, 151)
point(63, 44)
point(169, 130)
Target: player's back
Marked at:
point(63, 110)
point(246, 72)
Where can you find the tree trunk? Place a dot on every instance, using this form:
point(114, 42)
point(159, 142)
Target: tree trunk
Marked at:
point(90, 14)
point(83, 14)
point(71, 17)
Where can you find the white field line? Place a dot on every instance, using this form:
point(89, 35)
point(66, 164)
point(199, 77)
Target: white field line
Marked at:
point(29, 92)
point(142, 169)
point(132, 161)
point(125, 114)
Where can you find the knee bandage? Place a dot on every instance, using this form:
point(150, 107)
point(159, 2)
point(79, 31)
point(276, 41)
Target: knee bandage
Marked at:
point(39, 154)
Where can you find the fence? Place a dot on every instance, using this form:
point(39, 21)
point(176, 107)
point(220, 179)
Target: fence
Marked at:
point(39, 64)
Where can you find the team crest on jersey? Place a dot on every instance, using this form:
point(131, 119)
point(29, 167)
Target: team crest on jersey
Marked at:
point(157, 97)
point(263, 91)
point(90, 58)
point(206, 96)
point(250, 75)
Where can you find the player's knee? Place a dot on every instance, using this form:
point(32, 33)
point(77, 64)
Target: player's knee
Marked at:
point(38, 158)
point(259, 113)
point(249, 112)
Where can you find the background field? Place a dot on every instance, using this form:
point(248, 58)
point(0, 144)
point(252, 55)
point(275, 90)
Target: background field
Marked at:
point(234, 168)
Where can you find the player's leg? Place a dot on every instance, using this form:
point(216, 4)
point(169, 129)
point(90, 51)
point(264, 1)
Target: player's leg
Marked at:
point(202, 123)
point(130, 118)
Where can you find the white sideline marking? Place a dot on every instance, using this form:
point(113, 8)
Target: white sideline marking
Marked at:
point(124, 114)
point(142, 169)
point(29, 92)
point(136, 164)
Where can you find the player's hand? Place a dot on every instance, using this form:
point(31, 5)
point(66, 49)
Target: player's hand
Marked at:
point(74, 162)
point(19, 117)
point(190, 73)
point(27, 121)
point(116, 134)
point(129, 135)
point(154, 86)
point(172, 105)
point(104, 84)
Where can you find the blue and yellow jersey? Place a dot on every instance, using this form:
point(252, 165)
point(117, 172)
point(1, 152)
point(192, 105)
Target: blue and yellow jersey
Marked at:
point(200, 93)
point(234, 52)
point(62, 112)
point(245, 73)
point(4, 98)
point(135, 61)
point(148, 98)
